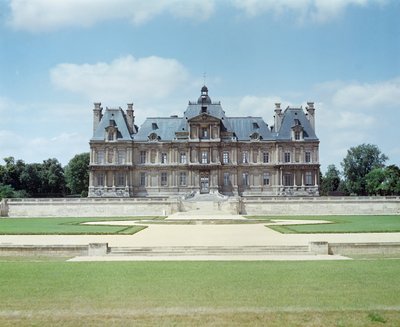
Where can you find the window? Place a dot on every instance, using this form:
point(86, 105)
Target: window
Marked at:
point(164, 179)
point(142, 179)
point(204, 157)
point(100, 179)
point(288, 179)
point(153, 155)
point(182, 179)
point(309, 178)
point(120, 179)
point(227, 179)
point(225, 157)
point(245, 157)
point(100, 157)
point(204, 132)
point(308, 156)
point(121, 157)
point(142, 157)
point(163, 158)
point(297, 135)
point(266, 179)
point(110, 136)
point(245, 179)
point(287, 157)
point(110, 156)
point(183, 158)
point(266, 157)
point(154, 126)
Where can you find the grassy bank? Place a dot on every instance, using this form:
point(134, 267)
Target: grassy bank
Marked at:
point(187, 293)
point(64, 226)
point(340, 224)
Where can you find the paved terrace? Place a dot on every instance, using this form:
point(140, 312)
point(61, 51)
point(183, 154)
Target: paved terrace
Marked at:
point(199, 234)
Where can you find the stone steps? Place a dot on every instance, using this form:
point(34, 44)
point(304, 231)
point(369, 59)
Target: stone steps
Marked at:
point(209, 250)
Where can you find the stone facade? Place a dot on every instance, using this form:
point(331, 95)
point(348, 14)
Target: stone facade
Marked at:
point(204, 151)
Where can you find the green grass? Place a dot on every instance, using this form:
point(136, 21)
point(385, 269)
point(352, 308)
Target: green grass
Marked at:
point(340, 224)
point(329, 293)
point(63, 226)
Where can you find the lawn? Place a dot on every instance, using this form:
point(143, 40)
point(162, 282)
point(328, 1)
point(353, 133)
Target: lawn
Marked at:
point(328, 293)
point(46, 226)
point(340, 224)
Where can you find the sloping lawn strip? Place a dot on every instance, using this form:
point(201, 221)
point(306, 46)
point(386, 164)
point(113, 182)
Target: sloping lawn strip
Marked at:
point(341, 224)
point(71, 226)
point(152, 289)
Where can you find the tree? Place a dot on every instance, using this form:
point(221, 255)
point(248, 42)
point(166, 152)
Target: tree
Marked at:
point(374, 181)
point(330, 181)
point(6, 191)
point(384, 181)
point(52, 174)
point(392, 180)
point(31, 179)
point(359, 161)
point(11, 172)
point(77, 174)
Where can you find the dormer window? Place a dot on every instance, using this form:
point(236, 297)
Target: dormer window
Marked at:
point(204, 110)
point(255, 136)
point(255, 126)
point(154, 126)
point(154, 137)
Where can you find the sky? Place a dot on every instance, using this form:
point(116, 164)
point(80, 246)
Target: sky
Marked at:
point(59, 57)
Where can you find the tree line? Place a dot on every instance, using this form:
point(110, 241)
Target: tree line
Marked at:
point(47, 179)
point(364, 173)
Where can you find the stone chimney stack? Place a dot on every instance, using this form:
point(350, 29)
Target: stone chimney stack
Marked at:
point(97, 114)
point(278, 117)
point(311, 114)
point(130, 118)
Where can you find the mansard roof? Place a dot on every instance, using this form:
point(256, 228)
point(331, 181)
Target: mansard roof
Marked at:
point(242, 128)
point(163, 127)
point(245, 127)
point(115, 118)
point(290, 116)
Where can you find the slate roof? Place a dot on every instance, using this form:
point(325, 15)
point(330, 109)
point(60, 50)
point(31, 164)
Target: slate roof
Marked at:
point(242, 127)
point(165, 128)
point(288, 121)
point(117, 115)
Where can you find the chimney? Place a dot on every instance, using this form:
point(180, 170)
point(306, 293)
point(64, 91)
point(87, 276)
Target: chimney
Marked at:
point(278, 117)
point(97, 115)
point(130, 118)
point(311, 114)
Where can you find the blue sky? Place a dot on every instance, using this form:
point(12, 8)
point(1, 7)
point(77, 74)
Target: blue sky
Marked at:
point(58, 57)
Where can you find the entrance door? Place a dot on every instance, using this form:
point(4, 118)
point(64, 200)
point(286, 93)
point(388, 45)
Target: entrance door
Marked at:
point(204, 184)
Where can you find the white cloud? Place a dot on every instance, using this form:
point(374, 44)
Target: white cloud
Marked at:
point(36, 149)
point(43, 15)
point(367, 96)
point(314, 10)
point(353, 113)
point(122, 80)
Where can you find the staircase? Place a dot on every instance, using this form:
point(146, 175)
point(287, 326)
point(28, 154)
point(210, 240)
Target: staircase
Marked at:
point(167, 251)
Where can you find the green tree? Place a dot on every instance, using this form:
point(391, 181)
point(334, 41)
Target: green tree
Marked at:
point(359, 161)
point(31, 179)
point(330, 181)
point(392, 180)
point(52, 175)
point(374, 181)
point(12, 171)
point(77, 174)
point(6, 191)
